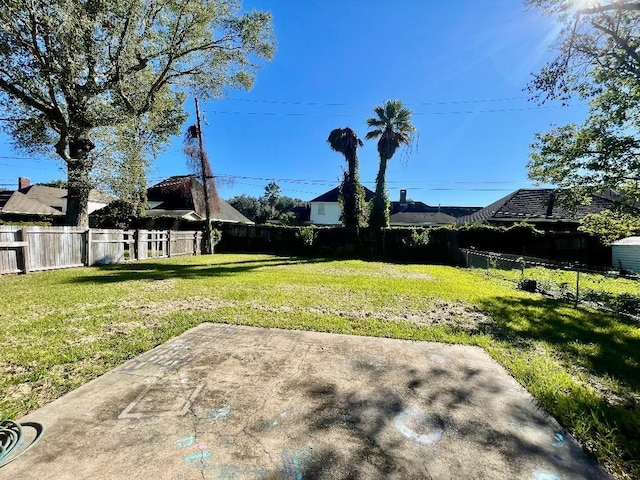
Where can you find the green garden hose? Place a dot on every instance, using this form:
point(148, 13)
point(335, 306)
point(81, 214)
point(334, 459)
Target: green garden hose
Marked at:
point(11, 434)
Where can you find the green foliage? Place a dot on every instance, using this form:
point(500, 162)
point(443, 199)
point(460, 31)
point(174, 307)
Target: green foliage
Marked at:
point(393, 128)
point(76, 75)
point(272, 193)
point(216, 237)
point(352, 196)
point(271, 206)
point(596, 60)
point(58, 183)
point(35, 223)
point(306, 236)
point(420, 238)
point(118, 214)
point(610, 226)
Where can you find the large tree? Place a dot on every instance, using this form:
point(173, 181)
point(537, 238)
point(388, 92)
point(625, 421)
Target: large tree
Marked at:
point(70, 68)
point(597, 59)
point(393, 128)
point(346, 142)
point(270, 206)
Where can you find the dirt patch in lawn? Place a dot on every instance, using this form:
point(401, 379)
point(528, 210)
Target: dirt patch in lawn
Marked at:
point(457, 315)
point(155, 310)
point(453, 314)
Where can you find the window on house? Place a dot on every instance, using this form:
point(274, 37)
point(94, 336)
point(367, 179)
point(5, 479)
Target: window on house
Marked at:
point(321, 209)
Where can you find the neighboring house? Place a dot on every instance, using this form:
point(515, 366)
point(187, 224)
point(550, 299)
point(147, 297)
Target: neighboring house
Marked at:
point(416, 219)
point(17, 204)
point(182, 196)
point(30, 201)
point(540, 207)
point(411, 213)
point(325, 209)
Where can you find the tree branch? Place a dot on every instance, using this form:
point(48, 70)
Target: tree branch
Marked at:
point(606, 8)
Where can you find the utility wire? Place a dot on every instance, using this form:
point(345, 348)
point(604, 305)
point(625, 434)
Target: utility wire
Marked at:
point(323, 104)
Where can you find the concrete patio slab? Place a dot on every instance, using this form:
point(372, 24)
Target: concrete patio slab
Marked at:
point(230, 402)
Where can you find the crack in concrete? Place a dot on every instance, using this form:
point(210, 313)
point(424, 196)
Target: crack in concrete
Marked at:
point(259, 443)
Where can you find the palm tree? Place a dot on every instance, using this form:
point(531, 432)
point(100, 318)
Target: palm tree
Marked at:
point(346, 142)
point(392, 125)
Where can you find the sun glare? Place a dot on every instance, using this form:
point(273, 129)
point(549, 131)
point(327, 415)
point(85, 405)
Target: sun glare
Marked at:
point(581, 4)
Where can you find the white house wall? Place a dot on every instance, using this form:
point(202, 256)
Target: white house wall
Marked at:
point(325, 213)
point(91, 206)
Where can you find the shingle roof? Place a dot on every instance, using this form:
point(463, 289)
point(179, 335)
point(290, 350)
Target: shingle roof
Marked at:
point(51, 196)
point(412, 206)
point(334, 194)
point(54, 197)
point(535, 204)
point(421, 218)
point(184, 192)
point(17, 202)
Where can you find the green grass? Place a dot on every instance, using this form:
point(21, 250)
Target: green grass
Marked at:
point(63, 328)
point(591, 281)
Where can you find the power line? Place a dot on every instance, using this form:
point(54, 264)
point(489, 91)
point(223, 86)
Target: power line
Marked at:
point(333, 182)
point(333, 104)
point(459, 112)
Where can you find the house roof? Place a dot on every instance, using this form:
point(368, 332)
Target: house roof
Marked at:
point(408, 207)
point(51, 196)
point(54, 197)
point(628, 241)
point(421, 218)
point(334, 194)
point(187, 214)
point(185, 193)
point(17, 202)
point(412, 206)
point(535, 204)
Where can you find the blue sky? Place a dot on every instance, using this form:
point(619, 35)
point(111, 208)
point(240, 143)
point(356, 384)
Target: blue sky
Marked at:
point(459, 66)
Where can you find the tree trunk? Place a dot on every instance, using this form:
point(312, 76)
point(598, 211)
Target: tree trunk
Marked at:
point(78, 182)
point(379, 217)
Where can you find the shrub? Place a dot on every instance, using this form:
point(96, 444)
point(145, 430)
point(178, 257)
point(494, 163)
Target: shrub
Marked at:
point(306, 235)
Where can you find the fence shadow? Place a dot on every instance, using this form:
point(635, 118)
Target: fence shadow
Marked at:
point(204, 268)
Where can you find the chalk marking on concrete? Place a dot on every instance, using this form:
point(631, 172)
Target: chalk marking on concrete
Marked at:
point(422, 420)
point(139, 409)
point(221, 413)
point(196, 456)
point(438, 359)
point(295, 463)
point(545, 476)
point(558, 440)
point(184, 442)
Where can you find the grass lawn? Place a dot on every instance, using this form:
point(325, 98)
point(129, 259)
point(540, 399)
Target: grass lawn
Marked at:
point(63, 328)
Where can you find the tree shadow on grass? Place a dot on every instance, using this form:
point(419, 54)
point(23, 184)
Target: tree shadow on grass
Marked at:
point(606, 346)
point(602, 343)
point(207, 267)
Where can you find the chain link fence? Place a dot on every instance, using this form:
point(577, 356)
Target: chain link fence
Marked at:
point(606, 289)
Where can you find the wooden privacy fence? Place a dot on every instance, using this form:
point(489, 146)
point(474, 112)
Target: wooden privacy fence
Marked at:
point(31, 249)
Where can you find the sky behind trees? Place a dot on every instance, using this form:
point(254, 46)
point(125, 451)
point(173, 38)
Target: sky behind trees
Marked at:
point(460, 67)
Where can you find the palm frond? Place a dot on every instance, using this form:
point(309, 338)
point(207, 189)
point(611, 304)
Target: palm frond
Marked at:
point(374, 134)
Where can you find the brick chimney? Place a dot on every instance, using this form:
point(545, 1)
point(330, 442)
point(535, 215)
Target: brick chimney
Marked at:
point(403, 197)
point(23, 182)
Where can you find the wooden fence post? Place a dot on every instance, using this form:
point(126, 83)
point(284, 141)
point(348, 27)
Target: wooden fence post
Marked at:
point(25, 250)
point(138, 244)
point(88, 247)
point(169, 244)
